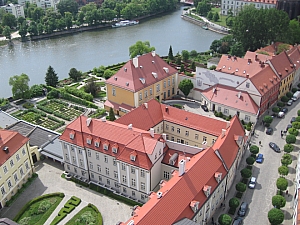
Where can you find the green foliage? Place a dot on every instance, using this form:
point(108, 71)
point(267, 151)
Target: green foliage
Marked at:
point(298, 119)
point(288, 148)
point(296, 125)
point(74, 74)
point(9, 20)
point(67, 6)
point(281, 183)
point(268, 119)
point(234, 203)
point(51, 78)
point(185, 55)
point(290, 139)
point(298, 112)
point(177, 106)
point(28, 105)
point(210, 15)
point(36, 90)
point(88, 215)
point(224, 219)
point(20, 86)
point(216, 17)
point(280, 104)
point(140, 48)
point(53, 94)
point(254, 149)
point(170, 54)
point(108, 73)
point(240, 187)
point(293, 131)
point(250, 160)
point(203, 8)
point(78, 93)
point(286, 159)
point(289, 94)
point(213, 67)
point(294, 90)
point(283, 170)
point(186, 86)
point(275, 110)
point(246, 173)
point(278, 201)
point(284, 99)
point(237, 49)
point(275, 216)
point(112, 116)
point(281, 48)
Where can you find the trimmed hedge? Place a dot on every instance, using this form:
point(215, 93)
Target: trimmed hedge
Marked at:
point(27, 205)
point(80, 94)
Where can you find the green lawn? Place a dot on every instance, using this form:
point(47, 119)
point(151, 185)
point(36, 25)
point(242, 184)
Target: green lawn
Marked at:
point(86, 216)
point(222, 20)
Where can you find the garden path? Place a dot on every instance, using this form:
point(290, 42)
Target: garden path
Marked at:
point(74, 212)
point(55, 212)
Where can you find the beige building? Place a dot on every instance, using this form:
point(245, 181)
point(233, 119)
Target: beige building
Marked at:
point(15, 164)
point(141, 79)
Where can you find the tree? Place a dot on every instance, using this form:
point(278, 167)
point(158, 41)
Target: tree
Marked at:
point(294, 32)
point(286, 159)
point(250, 160)
point(203, 8)
point(275, 109)
point(170, 55)
point(36, 90)
point(296, 125)
point(275, 216)
point(283, 170)
point(293, 131)
point(225, 219)
point(23, 30)
point(290, 139)
point(210, 15)
point(284, 99)
point(67, 6)
point(241, 187)
point(193, 66)
point(185, 55)
point(216, 17)
point(9, 20)
point(237, 49)
point(268, 119)
point(254, 149)
point(246, 173)
point(234, 203)
point(186, 86)
point(91, 87)
point(288, 148)
point(6, 32)
point(282, 183)
point(74, 74)
point(68, 20)
point(140, 48)
point(51, 78)
point(32, 29)
point(288, 94)
point(178, 59)
point(108, 73)
point(278, 201)
point(20, 87)
point(297, 119)
point(111, 115)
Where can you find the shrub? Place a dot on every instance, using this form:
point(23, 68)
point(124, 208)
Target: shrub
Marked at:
point(280, 104)
point(288, 148)
point(281, 183)
point(298, 112)
point(286, 160)
point(290, 139)
point(283, 170)
point(284, 99)
point(275, 216)
point(241, 187)
point(296, 125)
point(246, 173)
point(289, 95)
point(28, 105)
point(275, 109)
point(250, 160)
point(224, 219)
point(53, 94)
point(254, 149)
point(80, 94)
point(234, 203)
point(268, 119)
point(293, 131)
point(294, 90)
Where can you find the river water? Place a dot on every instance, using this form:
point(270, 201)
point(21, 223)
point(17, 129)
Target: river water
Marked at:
point(90, 49)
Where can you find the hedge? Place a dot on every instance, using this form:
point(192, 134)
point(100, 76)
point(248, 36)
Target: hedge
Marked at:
point(79, 93)
point(45, 109)
point(39, 198)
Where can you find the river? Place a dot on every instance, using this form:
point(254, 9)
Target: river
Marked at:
point(90, 49)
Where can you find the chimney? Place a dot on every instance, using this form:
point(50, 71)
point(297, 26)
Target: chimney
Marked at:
point(153, 53)
point(181, 167)
point(159, 194)
point(164, 136)
point(162, 183)
point(135, 62)
point(227, 124)
point(247, 75)
point(130, 127)
point(146, 105)
point(167, 109)
point(223, 132)
point(239, 94)
point(103, 119)
point(125, 69)
point(256, 56)
point(151, 131)
point(88, 121)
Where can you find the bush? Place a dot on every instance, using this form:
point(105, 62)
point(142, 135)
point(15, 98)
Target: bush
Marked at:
point(224, 219)
point(177, 106)
point(234, 203)
point(283, 170)
point(240, 187)
point(275, 109)
point(268, 119)
point(298, 112)
point(53, 94)
point(289, 95)
point(250, 160)
point(275, 216)
point(290, 139)
point(28, 105)
point(280, 104)
point(284, 99)
point(246, 173)
point(294, 90)
point(231, 211)
point(80, 94)
point(288, 148)
point(293, 131)
point(281, 183)
point(286, 160)
point(296, 125)
point(254, 149)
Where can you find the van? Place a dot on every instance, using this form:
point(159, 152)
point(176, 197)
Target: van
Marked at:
point(296, 96)
point(280, 114)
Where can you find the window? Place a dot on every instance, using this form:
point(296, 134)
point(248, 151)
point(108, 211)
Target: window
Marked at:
point(99, 168)
point(89, 153)
point(114, 162)
point(67, 157)
point(143, 197)
point(178, 130)
point(26, 166)
point(247, 118)
point(18, 157)
point(187, 143)
point(173, 80)
point(173, 91)
point(114, 92)
point(124, 179)
point(142, 186)
point(196, 136)
point(80, 162)
point(80, 151)
point(116, 174)
point(68, 167)
point(83, 173)
point(132, 170)
point(172, 138)
point(11, 163)
point(3, 190)
point(133, 194)
point(155, 157)
point(124, 189)
point(159, 152)
point(142, 173)
point(91, 165)
point(97, 144)
point(105, 147)
point(21, 171)
point(247, 85)
point(166, 175)
point(97, 156)
point(107, 171)
point(72, 149)
point(172, 128)
point(115, 150)
point(74, 159)
point(105, 159)
point(108, 181)
point(169, 82)
point(146, 94)
point(165, 84)
point(133, 182)
point(169, 93)
point(226, 111)
point(75, 169)
point(9, 184)
point(16, 177)
point(140, 96)
point(167, 137)
point(186, 133)
point(167, 127)
point(204, 138)
point(150, 92)
point(23, 151)
point(100, 178)
point(157, 87)
point(213, 141)
point(92, 175)
point(4, 169)
point(178, 140)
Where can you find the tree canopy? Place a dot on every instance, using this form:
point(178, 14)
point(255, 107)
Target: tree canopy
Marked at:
point(186, 86)
point(67, 6)
point(20, 86)
point(283, 170)
point(51, 78)
point(275, 216)
point(140, 48)
point(224, 219)
point(278, 201)
point(282, 183)
point(74, 74)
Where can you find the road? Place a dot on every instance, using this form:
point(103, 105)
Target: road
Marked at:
point(260, 198)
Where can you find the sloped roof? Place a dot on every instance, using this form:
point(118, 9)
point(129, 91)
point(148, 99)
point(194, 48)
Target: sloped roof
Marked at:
point(180, 155)
point(255, 56)
point(282, 64)
point(13, 141)
point(265, 80)
point(147, 116)
point(129, 77)
point(228, 96)
point(180, 191)
point(294, 55)
point(239, 66)
point(6, 119)
point(271, 49)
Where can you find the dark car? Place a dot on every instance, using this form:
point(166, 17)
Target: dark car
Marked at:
point(274, 147)
point(293, 119)
point(204, 107)
point(288, 127)
point(285, 110)
point(269, 131)
point(237, 221)
point(243, 209)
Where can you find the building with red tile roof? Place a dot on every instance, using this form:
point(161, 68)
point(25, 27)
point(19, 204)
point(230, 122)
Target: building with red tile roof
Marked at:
point(15, 163)
point(139, 80)
point(271, 49)
point(294, 55)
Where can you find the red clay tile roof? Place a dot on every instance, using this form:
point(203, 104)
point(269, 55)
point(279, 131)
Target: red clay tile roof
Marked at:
point(228, 96)
point(130, 78)
point(271, 49)
point(282, 64)
point(265, 80)
point(147, 117)
point(239, 66)
point(111, 133)
point(255, 56)
point(180, 191)
point(13, 141)
point(227, 145)
point(294, 55)
point(180, 154)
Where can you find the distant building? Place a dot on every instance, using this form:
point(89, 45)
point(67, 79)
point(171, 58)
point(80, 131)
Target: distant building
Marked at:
point(44, 4)
point(14, 9)
point(291, 7)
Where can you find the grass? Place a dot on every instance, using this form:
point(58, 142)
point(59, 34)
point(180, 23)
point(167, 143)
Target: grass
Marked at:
point(222, 20)
point(3, 43)
point(87, 215)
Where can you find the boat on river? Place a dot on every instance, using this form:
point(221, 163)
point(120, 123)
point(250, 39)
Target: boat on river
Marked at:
point(125, 23)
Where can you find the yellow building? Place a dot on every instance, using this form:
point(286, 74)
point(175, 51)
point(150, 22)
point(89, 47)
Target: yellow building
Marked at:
point(15, 163)
point(141, 79)
point(285, 70)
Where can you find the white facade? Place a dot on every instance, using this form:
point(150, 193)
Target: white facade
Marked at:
point(236, 5)
point(16, 10)
point(44, 4)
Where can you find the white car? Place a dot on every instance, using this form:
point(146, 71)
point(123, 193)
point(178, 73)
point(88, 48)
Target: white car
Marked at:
point(252, 182)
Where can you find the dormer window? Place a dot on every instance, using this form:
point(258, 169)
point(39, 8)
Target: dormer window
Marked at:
point(154, 74)
point(133, 156)
point(105, 147)
point(72, 135)
point(218, 177)
point(89, 140)
point(194, 206)
point(97, 143)
point(206, 190)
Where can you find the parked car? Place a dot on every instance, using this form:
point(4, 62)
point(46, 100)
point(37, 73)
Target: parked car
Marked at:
point(288, 127)
point(237, 221)
point(252, 183)
point(269, 131)
point(204, 107)
point(293, 119)
point(243, 209)
point(280, 114)
point(285, 110)
point(290, 102)
point(274, 147)
point(259, 158)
